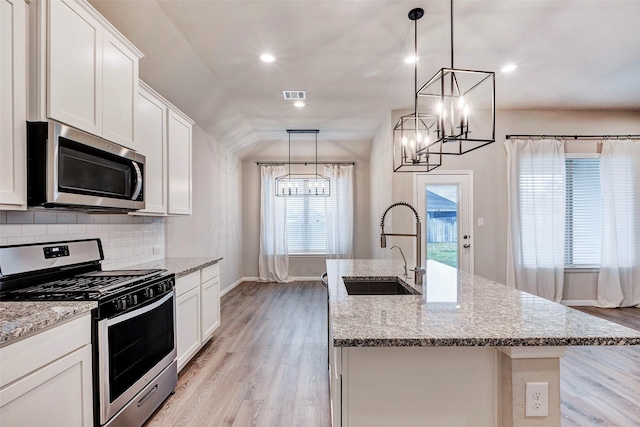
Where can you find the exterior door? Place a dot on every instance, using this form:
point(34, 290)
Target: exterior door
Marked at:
point(445, 202)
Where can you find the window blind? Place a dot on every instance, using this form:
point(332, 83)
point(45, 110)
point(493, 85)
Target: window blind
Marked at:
point(306, 225)
point(306, 221)
point(583, 226)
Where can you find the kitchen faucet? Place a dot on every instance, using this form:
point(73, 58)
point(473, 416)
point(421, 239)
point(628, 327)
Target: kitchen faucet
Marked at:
point(405, 260)
point(418, 271)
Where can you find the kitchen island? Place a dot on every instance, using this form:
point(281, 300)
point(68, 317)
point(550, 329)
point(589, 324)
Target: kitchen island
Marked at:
point(457, 354)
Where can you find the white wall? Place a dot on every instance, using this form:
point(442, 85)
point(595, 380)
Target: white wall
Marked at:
point(126, 240)
point(215, 226)
point(356, 151)
point(490, 189)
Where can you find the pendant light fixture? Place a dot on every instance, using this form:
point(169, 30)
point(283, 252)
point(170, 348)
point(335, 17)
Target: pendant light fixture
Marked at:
point(303, 185)
point(463, 102)
point(414, 146)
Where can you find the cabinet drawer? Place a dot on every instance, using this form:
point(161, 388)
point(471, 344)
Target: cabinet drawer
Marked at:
point(186, 283)
point(43, 348)
point(210, 272)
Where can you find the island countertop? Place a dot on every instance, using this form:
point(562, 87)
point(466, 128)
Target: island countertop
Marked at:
point(457, 309)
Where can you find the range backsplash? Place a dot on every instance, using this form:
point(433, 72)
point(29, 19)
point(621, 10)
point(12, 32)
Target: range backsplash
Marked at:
point(126, 240)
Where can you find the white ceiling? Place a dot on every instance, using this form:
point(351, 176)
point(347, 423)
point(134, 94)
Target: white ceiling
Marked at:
point(347, 55)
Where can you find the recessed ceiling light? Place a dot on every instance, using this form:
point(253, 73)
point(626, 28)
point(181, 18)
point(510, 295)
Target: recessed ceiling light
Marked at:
point(509, 68)
point(411, 59)
point(266, 57)
point(299, 104)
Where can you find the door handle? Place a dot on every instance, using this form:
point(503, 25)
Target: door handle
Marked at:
point(466, 245)
point(138, 172)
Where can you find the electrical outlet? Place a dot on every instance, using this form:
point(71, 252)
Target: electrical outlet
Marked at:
point(156, 250)
point(480, 222)
point(537, 399)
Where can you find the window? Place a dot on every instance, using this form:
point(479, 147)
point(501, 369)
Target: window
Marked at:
point(306, 225)
point(309, 217)
point(583, 223)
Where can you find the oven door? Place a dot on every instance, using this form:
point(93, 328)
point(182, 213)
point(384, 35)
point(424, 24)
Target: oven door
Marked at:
point(133, 348)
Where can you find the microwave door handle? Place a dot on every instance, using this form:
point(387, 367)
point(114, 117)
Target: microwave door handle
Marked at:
point(136, 192)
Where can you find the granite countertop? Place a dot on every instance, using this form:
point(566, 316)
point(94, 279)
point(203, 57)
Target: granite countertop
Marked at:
point(19, 319)
point(179, 266)
point(458, 309)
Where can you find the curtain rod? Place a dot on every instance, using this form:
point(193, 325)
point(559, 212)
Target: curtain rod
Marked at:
point(576, 136)
point(305, 163)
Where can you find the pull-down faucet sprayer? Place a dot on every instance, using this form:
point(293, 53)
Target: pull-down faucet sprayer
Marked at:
point(418, 271)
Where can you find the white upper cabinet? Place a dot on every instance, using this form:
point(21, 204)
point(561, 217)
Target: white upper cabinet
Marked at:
point(74, 92)
point(164, 137)
point(179, 158)
point(151, 139)
point(120, 86)
point(13, 104)
point(91, 71)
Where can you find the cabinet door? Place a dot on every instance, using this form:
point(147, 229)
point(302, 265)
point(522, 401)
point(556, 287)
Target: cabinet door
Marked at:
point(13, 106)
point(74, 59)
point(210, 307)
point(188, 325)
point(59, 394)
point(151, 140)
point(120, 90)
point(179, 159)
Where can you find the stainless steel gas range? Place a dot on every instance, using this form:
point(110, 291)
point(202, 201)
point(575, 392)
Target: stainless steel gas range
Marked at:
point(133, 328)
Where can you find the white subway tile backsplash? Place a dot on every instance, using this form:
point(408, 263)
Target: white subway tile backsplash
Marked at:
point(20, 240)
point(10, 230)
point(57, 229)
point(101, 219)
point(20, 217)
point(77, 228)
point(67, 217)
point(126, 240)
point(34, 230)
point(83, 218)
point(45, 217)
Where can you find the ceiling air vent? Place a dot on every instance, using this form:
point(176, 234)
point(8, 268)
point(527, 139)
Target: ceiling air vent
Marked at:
point(294, 94)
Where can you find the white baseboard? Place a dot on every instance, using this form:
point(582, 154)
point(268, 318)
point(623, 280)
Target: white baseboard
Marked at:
point(230, 287)
point(255, 279)
point(579, 302)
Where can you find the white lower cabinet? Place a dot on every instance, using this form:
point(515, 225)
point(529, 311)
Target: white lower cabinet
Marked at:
point(188, 328)
point(210, 307)
point(198, 310)
point(46, 378)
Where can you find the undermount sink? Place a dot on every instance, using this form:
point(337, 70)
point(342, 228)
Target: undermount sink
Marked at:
point(373, 286)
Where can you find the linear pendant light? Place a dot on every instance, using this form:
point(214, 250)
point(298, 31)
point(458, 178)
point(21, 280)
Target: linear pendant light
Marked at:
point(303, 185)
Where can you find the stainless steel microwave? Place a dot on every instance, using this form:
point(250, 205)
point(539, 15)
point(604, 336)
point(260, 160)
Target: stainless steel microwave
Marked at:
point(70, 169)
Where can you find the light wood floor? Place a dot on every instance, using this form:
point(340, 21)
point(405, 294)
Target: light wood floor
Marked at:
point(266, 366)
point(601, 385)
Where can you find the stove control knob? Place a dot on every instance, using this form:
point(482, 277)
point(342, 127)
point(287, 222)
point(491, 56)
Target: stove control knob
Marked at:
point(148, 293)
point(133, 299)
point(121, 304)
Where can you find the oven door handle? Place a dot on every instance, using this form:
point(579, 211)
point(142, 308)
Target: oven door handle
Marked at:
point(115, 320)
point(136, 192)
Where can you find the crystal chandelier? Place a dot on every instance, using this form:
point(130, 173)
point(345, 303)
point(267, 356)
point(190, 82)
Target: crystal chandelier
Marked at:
point(303, 185)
